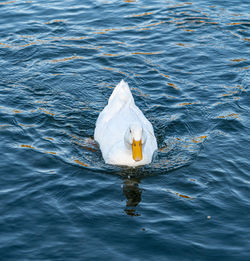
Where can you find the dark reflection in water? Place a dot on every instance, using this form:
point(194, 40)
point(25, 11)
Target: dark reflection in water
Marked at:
point(133, 193)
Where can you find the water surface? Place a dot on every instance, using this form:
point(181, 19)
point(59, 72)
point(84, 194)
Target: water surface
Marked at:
point(187, 64)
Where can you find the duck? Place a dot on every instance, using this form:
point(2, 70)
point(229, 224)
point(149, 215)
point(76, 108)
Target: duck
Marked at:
point(124, 134)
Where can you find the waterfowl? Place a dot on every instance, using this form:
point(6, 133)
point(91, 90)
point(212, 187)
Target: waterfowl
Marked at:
point(123, 133)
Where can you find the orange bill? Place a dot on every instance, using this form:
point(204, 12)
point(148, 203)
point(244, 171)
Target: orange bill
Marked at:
point(137, 150)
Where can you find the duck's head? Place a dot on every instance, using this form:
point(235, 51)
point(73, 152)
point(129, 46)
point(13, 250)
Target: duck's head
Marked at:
point(135, 139)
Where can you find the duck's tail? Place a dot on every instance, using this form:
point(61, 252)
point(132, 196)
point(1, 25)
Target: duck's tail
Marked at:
point(121, 93)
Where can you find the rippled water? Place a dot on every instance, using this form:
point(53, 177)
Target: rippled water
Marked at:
point(188, 66)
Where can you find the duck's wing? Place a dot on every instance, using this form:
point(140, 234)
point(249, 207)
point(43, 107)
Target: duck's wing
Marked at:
point(120, 98)
point(144, 121)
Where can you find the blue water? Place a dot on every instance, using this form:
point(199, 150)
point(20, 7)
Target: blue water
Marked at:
point(187, 64)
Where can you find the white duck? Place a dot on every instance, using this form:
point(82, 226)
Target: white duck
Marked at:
point(124, 134)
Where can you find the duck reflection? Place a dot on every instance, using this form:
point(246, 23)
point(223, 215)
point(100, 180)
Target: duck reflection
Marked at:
point(133, 194)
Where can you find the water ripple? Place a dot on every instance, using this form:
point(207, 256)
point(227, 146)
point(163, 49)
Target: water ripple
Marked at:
point(188, 67)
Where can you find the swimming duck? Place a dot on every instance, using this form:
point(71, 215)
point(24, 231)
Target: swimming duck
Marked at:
point(124, 134)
